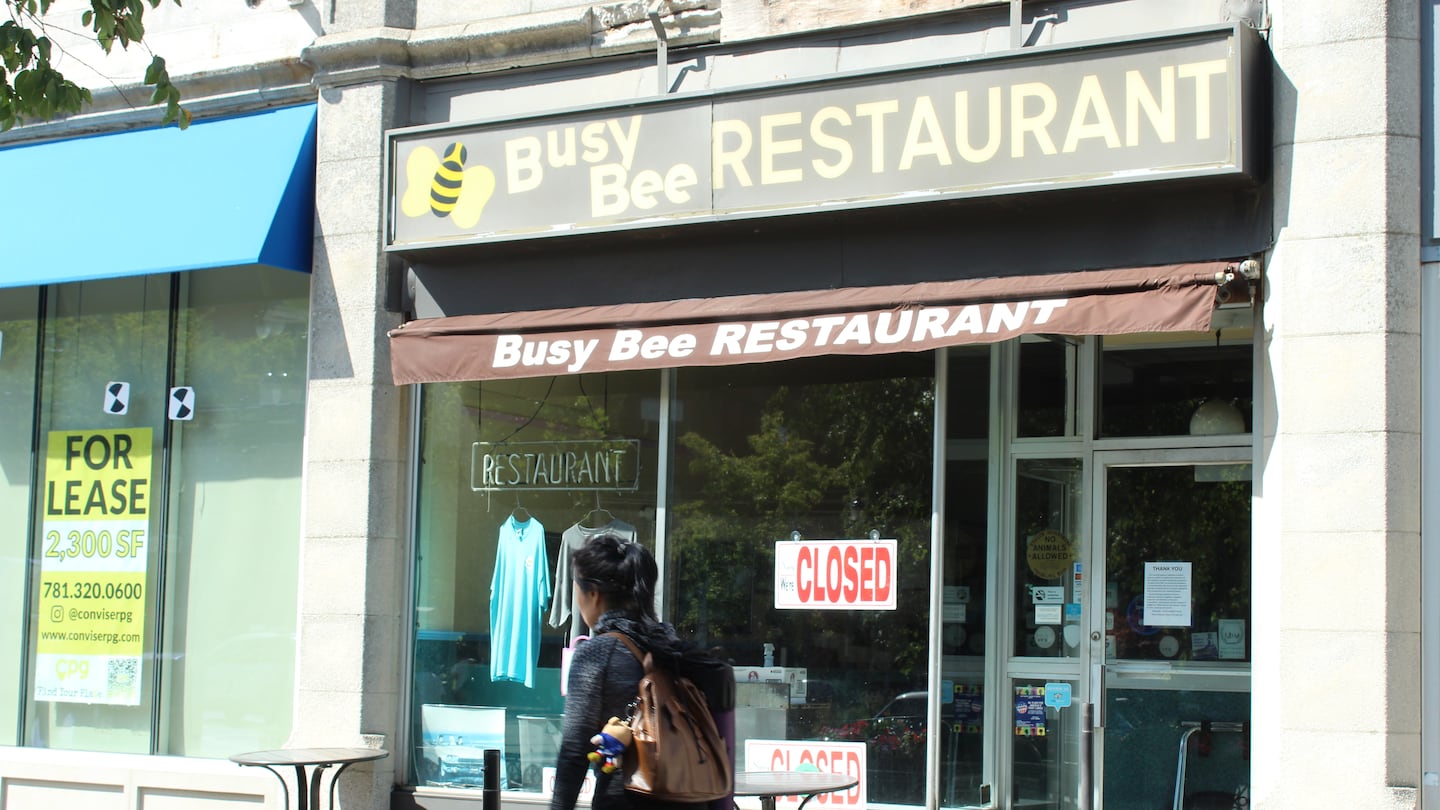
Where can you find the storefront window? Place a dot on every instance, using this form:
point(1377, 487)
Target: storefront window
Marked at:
point(241, 347)
point(1045, 388)
point(1149, 732)
point(1176, 384)
point(1197, 516)
point(18, 327)
point(797, 468)
point(102, 415)
point(1176, 627)
point(1045, 746)
point(1048, 515)
point(217, 547)
point(546, 460)
point(963, 613)
point(794, 505)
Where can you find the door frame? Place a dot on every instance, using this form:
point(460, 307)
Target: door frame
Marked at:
point(1098, 674)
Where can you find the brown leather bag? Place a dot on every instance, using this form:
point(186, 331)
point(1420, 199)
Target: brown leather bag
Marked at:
point(678, 753)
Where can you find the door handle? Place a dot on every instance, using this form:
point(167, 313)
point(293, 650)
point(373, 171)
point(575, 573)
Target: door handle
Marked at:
point(1097, 693)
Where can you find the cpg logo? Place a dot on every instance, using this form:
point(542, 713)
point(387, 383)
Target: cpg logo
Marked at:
point(72, 668)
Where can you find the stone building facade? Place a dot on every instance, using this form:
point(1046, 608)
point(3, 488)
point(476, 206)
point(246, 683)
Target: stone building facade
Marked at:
point(1321, 214)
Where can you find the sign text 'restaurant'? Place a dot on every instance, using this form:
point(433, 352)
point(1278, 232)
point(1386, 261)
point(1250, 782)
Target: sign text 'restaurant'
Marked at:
point(1163, 107)
point(601, 465)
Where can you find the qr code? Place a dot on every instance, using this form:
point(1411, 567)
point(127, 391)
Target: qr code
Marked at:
point(121, 674)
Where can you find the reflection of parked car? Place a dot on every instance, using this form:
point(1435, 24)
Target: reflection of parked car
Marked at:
point(906, 707)
point(898, 726)
point(819, 691)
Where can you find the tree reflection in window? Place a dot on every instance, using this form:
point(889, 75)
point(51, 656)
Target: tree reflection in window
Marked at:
point(831, 452)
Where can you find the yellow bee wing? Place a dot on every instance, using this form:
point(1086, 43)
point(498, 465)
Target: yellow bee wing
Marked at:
point(419, 171)
point(478, 188)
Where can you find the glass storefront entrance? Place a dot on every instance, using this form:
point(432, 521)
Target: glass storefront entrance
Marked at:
point(1175, 630)
point(1125, 671)
point(999, 536)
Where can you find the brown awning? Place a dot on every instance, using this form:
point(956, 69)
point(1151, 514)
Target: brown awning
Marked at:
point(781, 326)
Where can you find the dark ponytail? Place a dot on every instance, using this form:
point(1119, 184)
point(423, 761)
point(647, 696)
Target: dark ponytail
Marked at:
point(625, 572)
point(639, 569)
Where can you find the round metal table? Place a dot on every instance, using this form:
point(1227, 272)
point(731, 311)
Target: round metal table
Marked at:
point(769, 785)
point(310, 765)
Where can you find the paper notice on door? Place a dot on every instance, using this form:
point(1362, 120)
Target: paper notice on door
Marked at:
point(1232, 638)
point(1167, 594)
point(957, 593)
point(1203, 646)
point(1048, 614)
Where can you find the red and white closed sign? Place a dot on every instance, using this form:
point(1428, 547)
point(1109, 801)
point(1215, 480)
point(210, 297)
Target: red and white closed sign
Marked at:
point(835, 574)
point(846, 758)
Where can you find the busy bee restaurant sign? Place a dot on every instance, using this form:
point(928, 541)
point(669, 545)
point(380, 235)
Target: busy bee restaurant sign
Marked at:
point(1172, 106)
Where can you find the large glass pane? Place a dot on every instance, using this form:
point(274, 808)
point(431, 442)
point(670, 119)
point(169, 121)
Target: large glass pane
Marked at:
point(1045, 753)
point(1179, 534)
point(1048, 546)
point(1177, 384)
point(967, 530)
point(99, 520)
point(241, 345)
point(18, 332)
point(782, 463)
point(1046, 387)
point(549, 462)
point(1177, 596)
point(1148, 730)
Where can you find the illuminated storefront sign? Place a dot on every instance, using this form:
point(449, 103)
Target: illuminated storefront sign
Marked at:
point(1161, 108)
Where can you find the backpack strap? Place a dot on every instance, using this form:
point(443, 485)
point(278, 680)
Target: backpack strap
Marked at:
point(634, 648)
point(640, 657)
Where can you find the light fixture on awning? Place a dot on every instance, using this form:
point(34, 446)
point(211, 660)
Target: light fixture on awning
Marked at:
point(771, 327)
point(1217, 415)
point(225, 192)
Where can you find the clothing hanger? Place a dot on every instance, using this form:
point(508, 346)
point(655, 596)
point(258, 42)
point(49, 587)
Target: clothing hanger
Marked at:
point(597, 518)
point(519, 514)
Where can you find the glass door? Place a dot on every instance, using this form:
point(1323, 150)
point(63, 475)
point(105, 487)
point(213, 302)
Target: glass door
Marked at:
point(1046, 655)
point(1169, 645)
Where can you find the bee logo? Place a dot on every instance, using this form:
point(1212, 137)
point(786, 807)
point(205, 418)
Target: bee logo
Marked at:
point(444, 187)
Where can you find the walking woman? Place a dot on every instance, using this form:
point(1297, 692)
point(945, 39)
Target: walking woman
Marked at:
point(614, 583)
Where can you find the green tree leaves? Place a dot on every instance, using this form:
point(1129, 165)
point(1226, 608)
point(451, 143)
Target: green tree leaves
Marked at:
point(31, 89)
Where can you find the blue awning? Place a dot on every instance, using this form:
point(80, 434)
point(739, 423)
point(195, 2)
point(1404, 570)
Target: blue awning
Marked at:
point(226, 192)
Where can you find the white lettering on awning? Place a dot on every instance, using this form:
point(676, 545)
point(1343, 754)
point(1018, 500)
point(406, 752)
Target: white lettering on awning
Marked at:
point(772, 340)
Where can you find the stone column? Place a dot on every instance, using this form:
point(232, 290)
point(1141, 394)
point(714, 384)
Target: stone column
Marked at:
point(1337, 510)
point(354, 553)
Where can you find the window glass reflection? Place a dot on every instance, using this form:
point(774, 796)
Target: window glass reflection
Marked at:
point(1144, 732)
point(1045, 404)
point(1196, 516)
point(831, 449)
point(1177, 384)
point(97, 332)
point(1048, 596)
point(18, 335)
point(243, 341)
point(1045, 746)
point(963, 637)
point(540, 461)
